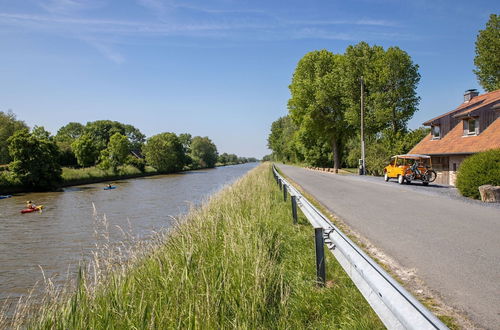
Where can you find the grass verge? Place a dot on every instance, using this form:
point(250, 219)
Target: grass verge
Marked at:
point(236, 262)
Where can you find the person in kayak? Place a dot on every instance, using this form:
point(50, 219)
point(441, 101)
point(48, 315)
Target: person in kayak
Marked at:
point(109, 186)
point(30, 205)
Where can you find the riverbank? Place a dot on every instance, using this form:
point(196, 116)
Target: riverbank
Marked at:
point(235, 262)
point(89, 175)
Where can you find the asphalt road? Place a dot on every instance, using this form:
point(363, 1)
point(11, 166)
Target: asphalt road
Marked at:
point(453, 244)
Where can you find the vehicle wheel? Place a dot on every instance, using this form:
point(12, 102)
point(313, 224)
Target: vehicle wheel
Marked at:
point(431, 175)
point(408, 176)
point(401, 179)
point(386, 177)
point(425, 183)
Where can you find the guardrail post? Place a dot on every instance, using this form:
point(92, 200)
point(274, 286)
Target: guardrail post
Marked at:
point(280, 183)
point(294, 209)
point(320, 256)
point(284, 192)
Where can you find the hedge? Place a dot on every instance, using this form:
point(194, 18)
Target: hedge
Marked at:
point(477, 170)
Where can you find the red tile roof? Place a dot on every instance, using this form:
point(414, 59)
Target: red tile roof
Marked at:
point(455, 143)
point(491, 99)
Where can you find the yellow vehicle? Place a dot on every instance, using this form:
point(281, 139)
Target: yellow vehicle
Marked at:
point(406, 168)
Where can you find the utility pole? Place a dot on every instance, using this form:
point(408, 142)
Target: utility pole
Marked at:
point(363, 169)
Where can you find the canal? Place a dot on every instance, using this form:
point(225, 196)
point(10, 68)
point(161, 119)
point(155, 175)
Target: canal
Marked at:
point(57, 239)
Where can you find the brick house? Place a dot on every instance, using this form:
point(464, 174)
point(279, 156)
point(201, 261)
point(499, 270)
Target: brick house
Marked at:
point(472, 127)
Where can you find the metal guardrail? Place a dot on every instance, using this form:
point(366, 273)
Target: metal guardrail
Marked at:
point(395, 306)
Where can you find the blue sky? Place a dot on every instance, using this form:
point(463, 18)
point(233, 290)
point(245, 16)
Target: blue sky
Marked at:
point(217, 68)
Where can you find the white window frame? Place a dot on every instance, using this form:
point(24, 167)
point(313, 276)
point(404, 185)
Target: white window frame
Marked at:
point(433, 136)
point(467, 131)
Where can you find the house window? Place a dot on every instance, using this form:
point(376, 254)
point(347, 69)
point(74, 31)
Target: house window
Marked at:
point(471, 126)
point(436, 132)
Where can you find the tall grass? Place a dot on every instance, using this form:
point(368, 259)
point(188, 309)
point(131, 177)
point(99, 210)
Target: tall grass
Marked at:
point(72, 175)
point(236, 262)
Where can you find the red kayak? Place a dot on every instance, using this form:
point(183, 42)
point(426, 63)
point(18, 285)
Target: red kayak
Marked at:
point(38, 208)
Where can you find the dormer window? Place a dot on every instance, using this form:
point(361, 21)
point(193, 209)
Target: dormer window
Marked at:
point(471, 127)
point(436, 132)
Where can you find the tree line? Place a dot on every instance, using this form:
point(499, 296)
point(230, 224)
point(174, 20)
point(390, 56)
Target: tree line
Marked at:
point(323, 121)
point(35, 157)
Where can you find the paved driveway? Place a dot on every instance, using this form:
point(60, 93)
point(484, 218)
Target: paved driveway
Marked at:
point(453, 243)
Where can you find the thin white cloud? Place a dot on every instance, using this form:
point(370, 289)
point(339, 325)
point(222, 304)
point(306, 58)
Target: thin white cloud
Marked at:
point(69, 6)
point(116, 26)
point(367, 22)
point(313, 33)
point(157, 6)
point(163, 6)
point(106, 50)
point(316, 33)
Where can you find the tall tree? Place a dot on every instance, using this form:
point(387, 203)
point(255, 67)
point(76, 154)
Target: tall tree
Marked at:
point(70, 132)
point(394, 98)
point(281, 140)
point(65, 136)
point(8, 126)
point(100, 132)
point(487, 58)
point(116, 153)
point(85, 150)
point(390, 79)
point(35, 160)
point(164, 152)
point(317, 99)
point(203, 151)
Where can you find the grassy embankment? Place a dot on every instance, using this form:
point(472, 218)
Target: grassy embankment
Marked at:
point(75, 176)
point(236, 262)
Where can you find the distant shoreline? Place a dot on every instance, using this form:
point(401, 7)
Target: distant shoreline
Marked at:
point(97, 179)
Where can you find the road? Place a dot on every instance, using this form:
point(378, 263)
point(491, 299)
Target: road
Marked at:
point(453, 244)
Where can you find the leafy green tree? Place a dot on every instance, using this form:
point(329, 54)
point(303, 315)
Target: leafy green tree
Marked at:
point(232, 159)
point(35, 160)
point(8, 126)
point(100, 132)
point(85, 150)
point(223, 158)
point(317, 99)
point(165, 152)
point(390, 78)
point(315, 149)
point(65, 136)
point(116, 153)
point(281, 140)
point(70, 132)
point(185, 139)
point(203, 152)
point(487, 58)
point(41, 133)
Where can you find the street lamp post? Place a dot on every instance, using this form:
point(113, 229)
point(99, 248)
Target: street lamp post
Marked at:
point(362, 165)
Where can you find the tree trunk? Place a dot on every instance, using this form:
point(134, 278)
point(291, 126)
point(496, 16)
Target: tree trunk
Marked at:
point(394, 121)
point(336, 156)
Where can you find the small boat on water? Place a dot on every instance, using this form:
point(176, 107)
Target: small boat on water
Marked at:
point(36, 208)
point(5, 196)
point(109, 187)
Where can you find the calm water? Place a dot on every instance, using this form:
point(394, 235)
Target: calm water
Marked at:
point(64, 233)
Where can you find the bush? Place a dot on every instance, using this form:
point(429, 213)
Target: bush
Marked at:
point(35, 160)
point(138, 163)
point(477, 170)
